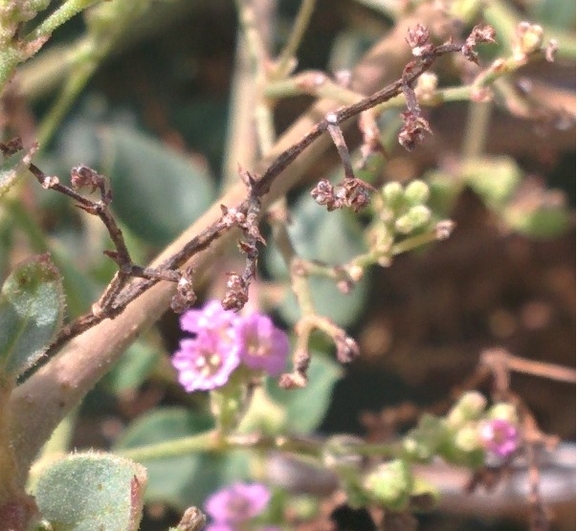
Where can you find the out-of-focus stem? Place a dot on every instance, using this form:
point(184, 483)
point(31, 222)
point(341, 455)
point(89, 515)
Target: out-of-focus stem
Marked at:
point(301, 23)
point(477, 128)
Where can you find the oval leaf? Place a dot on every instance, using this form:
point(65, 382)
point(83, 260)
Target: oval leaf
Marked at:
point(31, 312)
point(89, 491)
point(157, 191)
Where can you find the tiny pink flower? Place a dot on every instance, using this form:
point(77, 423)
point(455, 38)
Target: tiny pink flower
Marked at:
point(262, 345)
point(237, 503)
point(500, 437)
point(204, 363)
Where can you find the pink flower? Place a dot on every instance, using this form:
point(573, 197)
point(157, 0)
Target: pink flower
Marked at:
point(212, 317)
point(500, 437)
point(237, 503)
point(222, 339)
point(204, 363)
point(262, 345)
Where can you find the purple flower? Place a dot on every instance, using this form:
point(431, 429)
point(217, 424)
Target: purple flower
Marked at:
point(237, 503)
point(205, 362)
point(500, 437)
point(262, 345)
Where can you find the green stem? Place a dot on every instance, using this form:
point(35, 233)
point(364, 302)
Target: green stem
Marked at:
point(87, 61)
point(205, 442)
point(287, 54)
point(259, 59)
point(413, 242)
point(213, 442)
point(63, 14)
point(477, 128)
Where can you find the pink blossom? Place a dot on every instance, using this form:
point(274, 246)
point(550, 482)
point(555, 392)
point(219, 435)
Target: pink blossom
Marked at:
point(221, 341)
point(211, 317)
point(500, 437)
point(204, 363)
point(262, 345)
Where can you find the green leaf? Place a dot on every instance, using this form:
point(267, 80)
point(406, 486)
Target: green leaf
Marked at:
point(31, 312)
point(158, 192)
point(10, 170)
point(183, 480)
point(305, 408)
point(330, 237)
point(559, 14)
point(494, 179)
point(537, 221)
point(89, 491)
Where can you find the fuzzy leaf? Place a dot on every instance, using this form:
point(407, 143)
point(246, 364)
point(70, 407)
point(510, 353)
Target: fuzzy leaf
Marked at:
point(31, 312)
point(89, 491)
point(9, 171)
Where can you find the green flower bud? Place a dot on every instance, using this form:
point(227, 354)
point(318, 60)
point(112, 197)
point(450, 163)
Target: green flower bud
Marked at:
point(469, 407)
point(468, 439)
point(465, 447)
point(530, 37)
point(504, 411)
point(417, 192)
point(390, 484)
point(417, 217)
point(393, 194)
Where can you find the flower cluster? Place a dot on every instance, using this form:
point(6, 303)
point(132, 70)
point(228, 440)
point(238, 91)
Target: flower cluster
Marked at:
point(221, 341)
point(231, 507)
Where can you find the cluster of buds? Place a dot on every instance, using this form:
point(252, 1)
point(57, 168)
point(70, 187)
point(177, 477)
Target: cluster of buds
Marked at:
point(405, 207)
point(470, 434)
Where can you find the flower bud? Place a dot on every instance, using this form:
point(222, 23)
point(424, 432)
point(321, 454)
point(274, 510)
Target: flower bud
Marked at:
point(393, 194)
point(390, 484)
point(417, 217)
point(417, 192)
point(530, 37)
point(503, 411)
point(426, 86)
point(468, 439)
point(469, 407)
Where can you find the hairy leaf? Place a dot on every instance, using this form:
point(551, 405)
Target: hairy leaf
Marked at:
point(31, 312)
